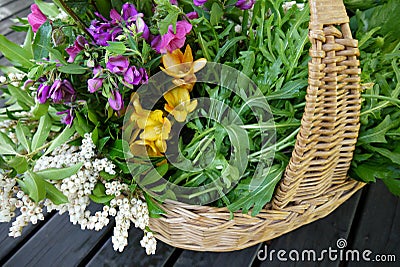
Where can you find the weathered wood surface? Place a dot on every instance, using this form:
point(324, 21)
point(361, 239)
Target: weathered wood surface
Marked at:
point(369, 220)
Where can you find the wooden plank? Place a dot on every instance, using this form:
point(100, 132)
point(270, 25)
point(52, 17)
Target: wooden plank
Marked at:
point(133, 255)
point(14, 7)
point(238, 258)
point(58, 243)
point(4, 2)
point(7, 23)
point(378, 226)
point(317, 236)
point(8, 244)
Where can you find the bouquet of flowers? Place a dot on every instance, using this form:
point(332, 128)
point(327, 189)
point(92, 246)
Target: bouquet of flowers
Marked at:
point(126, 104)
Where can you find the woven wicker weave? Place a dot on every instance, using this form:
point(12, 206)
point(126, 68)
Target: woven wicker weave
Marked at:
point(315, 182)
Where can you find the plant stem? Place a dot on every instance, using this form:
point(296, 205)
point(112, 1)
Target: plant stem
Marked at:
point(76, 18)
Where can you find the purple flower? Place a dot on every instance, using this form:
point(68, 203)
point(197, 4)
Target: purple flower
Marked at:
point(28, 83)
point(128, 11)
point(199, 2)
point(97, 69)
point(43, 93)
point(36, 18)
point(78, 46)
point(62, 91)
point(133, 76)
point(115, 101)
point(115, 16)
point(118, 64)
point(245, 4)
point(94, 84)
point(141, 27)
point(172, 41)
point(145, 76)
point(156, 42)
point(174, 2)
point(69, 118)
point(192, 15)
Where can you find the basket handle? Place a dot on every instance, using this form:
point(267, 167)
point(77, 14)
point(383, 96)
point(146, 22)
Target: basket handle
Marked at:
point(330, 124)
point(327, 12)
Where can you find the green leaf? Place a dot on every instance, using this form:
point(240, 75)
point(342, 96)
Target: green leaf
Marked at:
point(14, 53)
point(49, 9)
point(40, 109)
point(42, 39)
point(28, 42)
point(23, 98)
point(59, 174)
point(99, 194)
point(216, 14)
point(102, 199)
point(6, 145)
point(117, 150)
point(240, 142)
point(36, 186)
point(42, 132)
point(393, 156)
point(60, 139)
point(102, 142)
point(117, 48)
point(154, 175)
point(258, 197)
point(56, 54)
point(19, 164)
point(106, 176)
point(55, 195)
point(155, 211)
point(72, 69)
point(227, 46)
point(393, 184)
point(99, 189)
point(376, 134)
point(21, 132)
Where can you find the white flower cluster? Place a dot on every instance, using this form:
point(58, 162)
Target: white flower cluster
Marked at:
point(79, 186)
point(7, 127)
point(77, 189)
point(14, 78)
point(127, 212)
point(31, 212)
point(7, 201)
point(11, 198)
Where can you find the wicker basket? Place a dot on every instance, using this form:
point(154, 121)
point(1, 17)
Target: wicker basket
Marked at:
point(315, 182)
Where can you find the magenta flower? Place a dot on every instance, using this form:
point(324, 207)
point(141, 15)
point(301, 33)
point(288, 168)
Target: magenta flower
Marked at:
point(43, 93)
point(118, 64)
point(172, 41)
point(28, 83)
point(199, 2)
point(133, 76)
point(36, 18)
point(115, 101)
point(192, 15)
point(62, 91)
point(174, 2)
point(74, 50)
point(94, 84)
point(245, 4)
point(68, 118)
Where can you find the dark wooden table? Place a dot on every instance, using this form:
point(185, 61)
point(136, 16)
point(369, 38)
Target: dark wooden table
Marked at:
point(369, 220)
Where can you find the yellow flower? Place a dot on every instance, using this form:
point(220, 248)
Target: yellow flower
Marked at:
point(155, 126)
point(178, 103)
point(181, 66)
point(143, 148)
